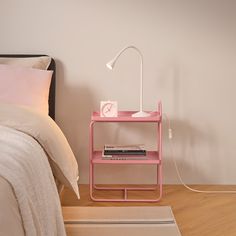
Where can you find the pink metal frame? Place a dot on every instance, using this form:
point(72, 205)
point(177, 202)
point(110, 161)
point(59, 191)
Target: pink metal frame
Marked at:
point(154, 157)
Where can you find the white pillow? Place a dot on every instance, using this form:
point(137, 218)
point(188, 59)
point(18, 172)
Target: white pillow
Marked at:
point(42, 62)
point(25, 86)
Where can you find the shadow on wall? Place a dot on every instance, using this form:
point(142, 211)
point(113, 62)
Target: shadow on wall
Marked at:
point(192, 142)
point(74, 105)
point(169, 80)
point(186, 140)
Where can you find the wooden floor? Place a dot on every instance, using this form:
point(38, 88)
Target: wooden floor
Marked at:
point(197, 214)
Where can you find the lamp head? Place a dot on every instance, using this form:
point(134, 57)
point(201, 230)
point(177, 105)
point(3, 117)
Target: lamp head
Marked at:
point(110, 65)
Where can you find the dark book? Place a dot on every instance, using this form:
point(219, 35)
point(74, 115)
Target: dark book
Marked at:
point(124, 152)
point(123, 157)
point(118, 157)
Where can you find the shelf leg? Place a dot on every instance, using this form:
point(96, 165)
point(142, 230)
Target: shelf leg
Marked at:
point(91, 169)
point(125, 194)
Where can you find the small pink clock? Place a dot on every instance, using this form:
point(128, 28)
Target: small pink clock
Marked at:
point(108, 109)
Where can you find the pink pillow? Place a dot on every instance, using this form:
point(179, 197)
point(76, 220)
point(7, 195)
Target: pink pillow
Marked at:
point(25, 86)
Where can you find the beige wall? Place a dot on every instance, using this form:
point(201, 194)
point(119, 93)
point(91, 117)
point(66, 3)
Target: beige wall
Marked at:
point(189, 50)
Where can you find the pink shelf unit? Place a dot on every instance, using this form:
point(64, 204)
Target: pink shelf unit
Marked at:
point(152, 157)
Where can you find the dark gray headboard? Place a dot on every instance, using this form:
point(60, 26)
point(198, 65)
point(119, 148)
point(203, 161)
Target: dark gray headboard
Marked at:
point(52, 92)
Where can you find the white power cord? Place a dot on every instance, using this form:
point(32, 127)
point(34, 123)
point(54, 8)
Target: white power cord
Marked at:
point(177, 169)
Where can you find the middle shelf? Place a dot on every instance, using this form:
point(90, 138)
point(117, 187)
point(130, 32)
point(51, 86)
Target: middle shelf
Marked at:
point(152, 157)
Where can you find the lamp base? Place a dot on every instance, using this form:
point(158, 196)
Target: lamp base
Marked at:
point(141, 114)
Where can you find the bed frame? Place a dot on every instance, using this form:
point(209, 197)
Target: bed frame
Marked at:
point(52, 91)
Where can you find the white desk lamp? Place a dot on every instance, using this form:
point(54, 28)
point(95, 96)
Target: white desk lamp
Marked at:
point(111, 64)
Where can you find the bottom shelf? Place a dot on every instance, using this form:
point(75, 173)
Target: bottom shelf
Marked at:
point(152, 157)
point(126, 193)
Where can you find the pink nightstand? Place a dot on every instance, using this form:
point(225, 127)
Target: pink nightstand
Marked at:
point(153, 157)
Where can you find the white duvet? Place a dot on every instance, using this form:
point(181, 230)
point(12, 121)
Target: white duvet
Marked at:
point(24, 165)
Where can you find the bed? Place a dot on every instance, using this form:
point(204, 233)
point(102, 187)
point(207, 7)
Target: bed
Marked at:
point(35, 157)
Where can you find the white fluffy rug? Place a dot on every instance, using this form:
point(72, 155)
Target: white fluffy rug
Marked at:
point(120, 221)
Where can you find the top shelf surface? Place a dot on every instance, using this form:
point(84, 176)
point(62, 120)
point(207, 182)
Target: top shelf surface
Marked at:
point(126, 116)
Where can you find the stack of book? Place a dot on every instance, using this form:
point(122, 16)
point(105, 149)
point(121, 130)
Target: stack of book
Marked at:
point(124, 152)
